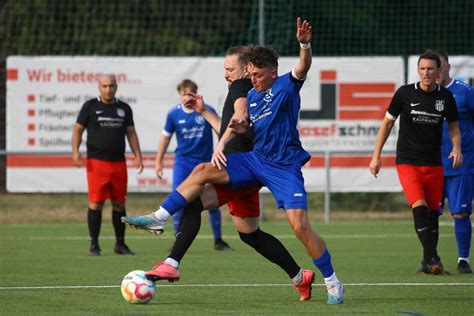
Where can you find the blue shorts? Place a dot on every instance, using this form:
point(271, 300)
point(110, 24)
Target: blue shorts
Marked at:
point(286, 182)
point(459, 192)
point(182, 168)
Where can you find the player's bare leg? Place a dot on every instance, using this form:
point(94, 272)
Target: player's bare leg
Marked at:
point(316, 248)
point(187, 191)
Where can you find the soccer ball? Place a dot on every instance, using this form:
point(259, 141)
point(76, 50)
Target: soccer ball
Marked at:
point(136, 288)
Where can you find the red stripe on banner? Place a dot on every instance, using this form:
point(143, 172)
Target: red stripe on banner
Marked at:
point(329, 75)
point(349, 161)
point(63, 161)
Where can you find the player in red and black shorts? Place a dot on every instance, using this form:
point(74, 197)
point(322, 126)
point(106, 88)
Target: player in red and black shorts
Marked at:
point(243, 203)
point(108, 121)
point(422, 107)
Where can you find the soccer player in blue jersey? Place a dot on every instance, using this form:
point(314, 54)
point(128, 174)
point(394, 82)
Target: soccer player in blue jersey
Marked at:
point(459, 182)
point(194, 145)
point(276, 160)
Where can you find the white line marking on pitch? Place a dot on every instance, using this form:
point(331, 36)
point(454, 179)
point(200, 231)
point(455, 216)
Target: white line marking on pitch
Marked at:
point(146, 237)
point(65, 287)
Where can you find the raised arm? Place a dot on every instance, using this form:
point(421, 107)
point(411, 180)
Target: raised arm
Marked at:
point(384, 131)
point(135, 146)
point(304, 33)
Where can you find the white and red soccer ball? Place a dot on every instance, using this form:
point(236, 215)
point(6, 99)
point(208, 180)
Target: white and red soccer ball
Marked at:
point(136, 288)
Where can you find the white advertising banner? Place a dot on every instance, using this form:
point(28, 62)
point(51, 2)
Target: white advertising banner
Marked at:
point(462, 68)
point(343, 101)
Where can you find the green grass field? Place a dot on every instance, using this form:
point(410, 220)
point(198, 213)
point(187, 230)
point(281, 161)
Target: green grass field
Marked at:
point(45, 271)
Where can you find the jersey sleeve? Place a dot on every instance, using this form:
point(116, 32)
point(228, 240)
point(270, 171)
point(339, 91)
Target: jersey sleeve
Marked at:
point(470, 99)
point(294, 82)
point(169, 127)
point(83, 116)
point(395, 106)
point(239, 89)
point(211, 108)
point(451, 108)
point(129, 117)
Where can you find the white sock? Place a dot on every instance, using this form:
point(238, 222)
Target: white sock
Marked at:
point(298, 278)
point(332, 279)
point(172, 262)
point(162, 214)
point(465, 259)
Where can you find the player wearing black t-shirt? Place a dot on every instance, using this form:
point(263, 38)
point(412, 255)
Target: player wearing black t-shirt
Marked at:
point(422, 108)
point(243, 203)
point(107, 121)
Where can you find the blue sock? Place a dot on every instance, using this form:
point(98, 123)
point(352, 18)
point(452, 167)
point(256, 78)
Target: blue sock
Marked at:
point(177, 220)
point(216, 222)
point(463, 232)
point(174, 202)
point(324, 264)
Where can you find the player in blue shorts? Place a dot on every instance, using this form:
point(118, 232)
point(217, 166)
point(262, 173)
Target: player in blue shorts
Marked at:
point(194, 145)
point(459, 182)
point(276, 160)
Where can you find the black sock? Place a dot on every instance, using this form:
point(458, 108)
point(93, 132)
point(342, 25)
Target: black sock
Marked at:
point(424, 230)
point(119, 227)
point(94, 220)
point(434, 225)
point(188, 229)
point(272, 249)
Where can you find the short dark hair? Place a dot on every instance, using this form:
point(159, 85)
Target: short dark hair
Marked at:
point(263, 56)
point(429, 54)
point(242, 53)
point(442, 54)
point(187, 84)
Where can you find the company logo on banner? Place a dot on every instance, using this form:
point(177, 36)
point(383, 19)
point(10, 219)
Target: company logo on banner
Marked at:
point(352, 96)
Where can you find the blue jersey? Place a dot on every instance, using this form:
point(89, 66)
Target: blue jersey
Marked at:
point(464, 96)
point(274, 116)
point(193, 132)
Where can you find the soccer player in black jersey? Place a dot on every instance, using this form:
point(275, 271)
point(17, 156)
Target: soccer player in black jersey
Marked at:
point(422, 106)
point(243, 203)
point(107, 120)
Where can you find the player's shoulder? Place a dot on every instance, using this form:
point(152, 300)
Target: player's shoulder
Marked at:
point(445, 91)
point(210, 107)
point(462, 85)
point(241, 84)
point(94, 102)
point(411, 87)
point(175, 108)
point(123, 104)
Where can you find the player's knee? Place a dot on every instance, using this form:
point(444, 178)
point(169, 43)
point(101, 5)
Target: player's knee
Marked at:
point(461, 215)
point(202, 172)
point(301, 230)
point(249, 238)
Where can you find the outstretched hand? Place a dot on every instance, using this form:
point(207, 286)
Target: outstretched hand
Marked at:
point(304, 31)
point(239, 126)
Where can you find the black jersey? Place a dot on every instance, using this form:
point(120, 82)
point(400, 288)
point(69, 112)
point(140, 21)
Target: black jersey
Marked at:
point(106, 128)
point(421, 121)
point(240, 143)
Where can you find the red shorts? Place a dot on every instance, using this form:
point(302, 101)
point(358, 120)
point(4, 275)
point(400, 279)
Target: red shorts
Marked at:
point(422, 183)
point(243, 202)
point(107, 180)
